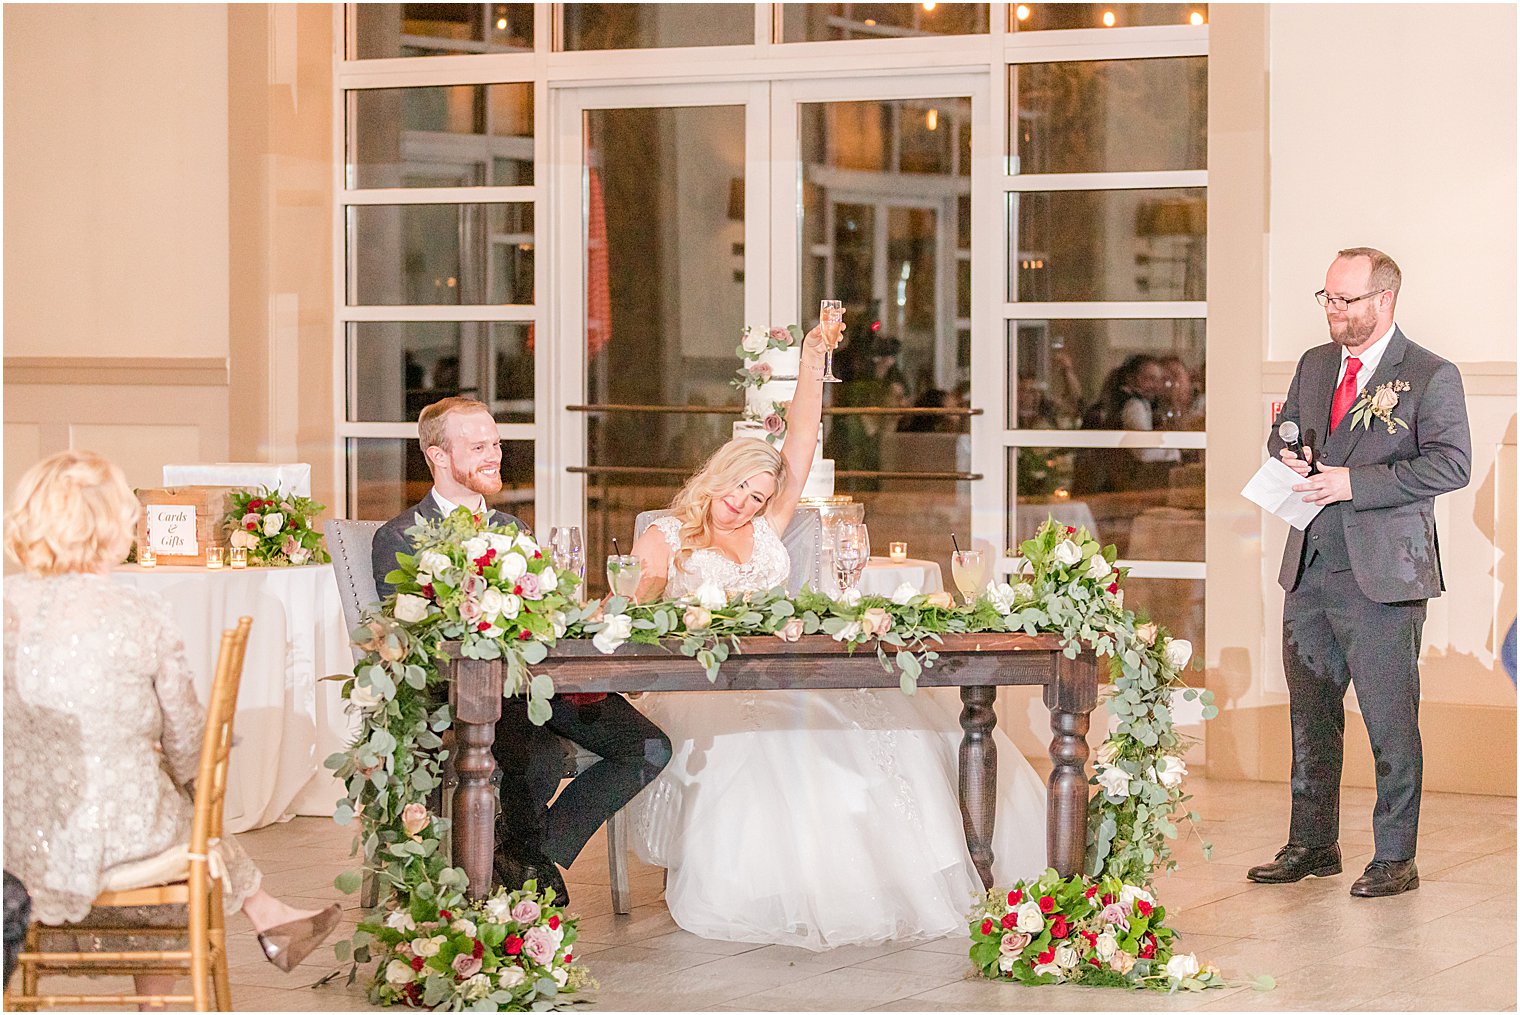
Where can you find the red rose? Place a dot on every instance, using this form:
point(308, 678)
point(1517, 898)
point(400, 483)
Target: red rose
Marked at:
point(1058, 927)
point(478, 950)
point(417, 963)
point(538, 555)
point(523, 635)
point(1093, 960)
point(483, 625)
point(491, 553)
point(567, 958)
point(444, 914)
point(1113, 588)
point(1143, 907)
point(1148, 950)
point(1010, 920)
point(255, 504)
point(1047, 903)
point(482, 561)
point(1091, 891)
point(1047, 956)
point(554, 923)
point(1071, 530)
point(1015, 897)
point(251, 526)
point(428, 591)
point(1089, 937)
point(987, 926)
point(517, 590)
point(1108, 898)
point(513, 945)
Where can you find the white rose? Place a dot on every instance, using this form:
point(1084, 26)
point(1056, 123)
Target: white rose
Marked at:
point(525, 543)
point(433, 562)
point(1180, 967)
point(1098, 568)
point(755, 341)
point(904, 593)
point(1119, 599)
point(548, 581)
point(1115, 781)
point(1067, 552)
point(499, 909)
point(513, 566)
point(401, 919)
point(511, 606)
point(427, 947)
point(711, 596)
point(244, 538)
point(1067, 957)
point(512, 976)
point(1047, 969)
point(617, 631)
point(560, 626)
point(491, 602)
point(498, 541)
point(273, 523)
point(1002, 596)
point(1031, 920)
point(560, 976)
point(365, 698)
point(1006, 962)
point(1023, 592)
point(1170, 772)
point(476, 547)
point(1107, 944)
point(464, 926)
point(850, 597)
point(1178, 652)
point(848, 632)
point(410, 609)
point(398, 973)
point(299, 555)
point(1129, 893)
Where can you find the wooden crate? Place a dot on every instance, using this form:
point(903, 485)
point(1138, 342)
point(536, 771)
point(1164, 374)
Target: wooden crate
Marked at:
point(210, 504)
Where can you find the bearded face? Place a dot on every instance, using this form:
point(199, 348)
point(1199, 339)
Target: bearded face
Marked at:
point(473, 452)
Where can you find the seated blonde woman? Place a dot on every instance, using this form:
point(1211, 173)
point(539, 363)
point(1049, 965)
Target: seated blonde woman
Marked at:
point(102, 726)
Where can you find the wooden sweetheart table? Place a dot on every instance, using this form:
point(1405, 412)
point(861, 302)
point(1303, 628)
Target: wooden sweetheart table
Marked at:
point(978, 664)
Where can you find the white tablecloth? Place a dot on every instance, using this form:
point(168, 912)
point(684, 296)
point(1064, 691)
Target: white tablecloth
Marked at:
point(288, 719)
point(882, 576)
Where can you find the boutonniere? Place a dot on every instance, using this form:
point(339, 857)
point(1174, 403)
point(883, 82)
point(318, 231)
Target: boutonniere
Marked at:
point(1380, 403)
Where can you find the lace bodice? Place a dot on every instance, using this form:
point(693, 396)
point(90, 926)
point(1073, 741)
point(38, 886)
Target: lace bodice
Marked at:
point(768, 565)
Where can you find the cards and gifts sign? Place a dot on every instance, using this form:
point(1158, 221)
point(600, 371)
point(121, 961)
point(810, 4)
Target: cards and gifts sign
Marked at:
point(171, 530)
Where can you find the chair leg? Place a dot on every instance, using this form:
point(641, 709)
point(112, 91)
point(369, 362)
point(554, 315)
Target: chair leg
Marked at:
point(617, 863)
point(220, 982)
point(200, 946)
point(33, 945)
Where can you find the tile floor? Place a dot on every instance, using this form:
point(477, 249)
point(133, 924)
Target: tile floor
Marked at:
point(1448, 946)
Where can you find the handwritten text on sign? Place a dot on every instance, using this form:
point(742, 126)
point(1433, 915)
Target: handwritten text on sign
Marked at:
point(171, 530)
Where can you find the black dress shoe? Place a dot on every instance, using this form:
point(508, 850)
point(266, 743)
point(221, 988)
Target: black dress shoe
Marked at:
point(1294, 863)
point(515, 867)
point(1386, 877)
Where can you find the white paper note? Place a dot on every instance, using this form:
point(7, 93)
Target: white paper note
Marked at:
point(171, 530)
point(1272, 488)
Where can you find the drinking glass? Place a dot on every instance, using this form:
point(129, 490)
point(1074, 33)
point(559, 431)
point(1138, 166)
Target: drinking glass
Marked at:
point(623, 573)
point(830, 318)
point(213, 557)
point(852, 549)
point(568, 555)
point(969, 569)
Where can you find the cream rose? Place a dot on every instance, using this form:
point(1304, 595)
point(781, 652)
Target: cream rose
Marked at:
point(365, 697)
point(1007, 960)
point(1178, 652)
point(710, 595)
point(548, 580)
point(754, 341)
point(943, 600)
point(410, 609)
point(875, 622)
point(400, 919)
point(414, 818)
point(427, 947)
point(476, 547)
point(498, 541)
point(491, 602)
point(1145, 634)
point(464, 926)
point(1023, 592)
point(1067, 957)
point(434, 562)
point(1170, 772)
point(557, 619)
point(1385, 399)
point(904, 594)
point(1067, 552)
point(498, 909)
point(1129, 894)
point(273, 523)
point(1122, 962)
point(561, 977)
point(850, 597)
point(1031, 920)
point(1180, 967)
point(243, 538)
point(848, 632)
point(791, 630)
point(697, 618)
point(617, 631)
point(398, 973)
point(1115, 781)
point(1106, 945)
point(525, 543)
point(1107, 752)
point(512, 976)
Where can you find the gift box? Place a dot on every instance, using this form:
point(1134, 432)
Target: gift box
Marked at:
point(183, 522)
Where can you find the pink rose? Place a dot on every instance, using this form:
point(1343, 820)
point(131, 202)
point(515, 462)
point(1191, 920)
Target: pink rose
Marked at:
point(414, 818)
point(875, 621)
point(539, 945)
point(1114, 913)
point(781, 335)
point(526, 912)
point(774, 424)
point(465, 966)
point(475, 586)
point(470, 611)
point(528, 583)
point(791, 630)
point(760, 372)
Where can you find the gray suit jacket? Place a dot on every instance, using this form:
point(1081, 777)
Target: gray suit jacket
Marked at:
point(1389, 522)
point(390, 538)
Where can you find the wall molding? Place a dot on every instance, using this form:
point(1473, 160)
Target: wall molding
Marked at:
point(136, 371)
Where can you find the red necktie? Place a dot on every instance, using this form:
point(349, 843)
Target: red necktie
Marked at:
point(1345, 395)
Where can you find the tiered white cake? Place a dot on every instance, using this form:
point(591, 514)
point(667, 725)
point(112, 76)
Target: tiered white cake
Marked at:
point(763, 401)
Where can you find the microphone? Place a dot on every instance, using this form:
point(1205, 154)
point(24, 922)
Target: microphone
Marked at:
point(1288, 431)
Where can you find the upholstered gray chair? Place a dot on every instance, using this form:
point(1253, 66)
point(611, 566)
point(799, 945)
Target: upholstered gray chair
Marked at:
point(803, 539)
point(349, 543)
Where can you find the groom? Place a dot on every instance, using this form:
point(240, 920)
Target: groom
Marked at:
point(463, 449)
point(1358, 578)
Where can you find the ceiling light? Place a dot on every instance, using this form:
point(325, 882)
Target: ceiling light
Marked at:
point(1021, 12)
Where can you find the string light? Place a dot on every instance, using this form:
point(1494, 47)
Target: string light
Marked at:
point(1195, 18)
point(930, 7)
point(932, 119)
point(1108, 19)
point(1021, 12)
point(501, 24)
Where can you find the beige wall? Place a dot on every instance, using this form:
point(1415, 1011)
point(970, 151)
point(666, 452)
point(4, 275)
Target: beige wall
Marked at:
point(1404, 141)
point(167, 231)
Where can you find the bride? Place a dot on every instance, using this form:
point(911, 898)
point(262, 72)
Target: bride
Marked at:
point(810, 818)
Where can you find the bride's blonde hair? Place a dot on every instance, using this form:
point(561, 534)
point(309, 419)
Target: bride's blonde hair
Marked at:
point(729, 466)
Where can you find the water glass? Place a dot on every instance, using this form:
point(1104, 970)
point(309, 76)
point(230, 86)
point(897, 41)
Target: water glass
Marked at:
point(568, 554)
point(623, 573)
point(851, 550)
point(969, 569)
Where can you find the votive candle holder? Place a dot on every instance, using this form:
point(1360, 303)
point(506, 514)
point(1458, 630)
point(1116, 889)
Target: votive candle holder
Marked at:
point(147, 558)
point(214, 558)
point(237, 557)
point(897, 550)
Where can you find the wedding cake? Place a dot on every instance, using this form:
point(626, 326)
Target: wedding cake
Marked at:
point(771, 361)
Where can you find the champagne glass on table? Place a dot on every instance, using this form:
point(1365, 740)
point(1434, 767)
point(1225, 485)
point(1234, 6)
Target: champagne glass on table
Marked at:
point(568, 554)
point(830, 320)
point(969, 570)
point(852, 550)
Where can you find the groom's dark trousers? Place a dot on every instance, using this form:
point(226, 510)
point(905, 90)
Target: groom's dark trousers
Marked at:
point(1357, 583)
point(531, 758)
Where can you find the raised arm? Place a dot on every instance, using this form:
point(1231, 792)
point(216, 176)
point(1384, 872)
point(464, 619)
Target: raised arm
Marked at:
point(803, 421)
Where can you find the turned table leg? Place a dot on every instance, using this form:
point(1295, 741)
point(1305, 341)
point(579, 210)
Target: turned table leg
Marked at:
point(978, 776)
point(476, 696)
point(1070, 698)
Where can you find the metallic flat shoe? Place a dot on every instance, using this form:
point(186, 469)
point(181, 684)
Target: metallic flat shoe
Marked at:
point(289, 943)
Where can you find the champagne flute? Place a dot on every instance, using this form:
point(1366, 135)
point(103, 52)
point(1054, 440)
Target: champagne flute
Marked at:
point(969, 570)
point(830, 318)
point(568, 554)
point(852, 550)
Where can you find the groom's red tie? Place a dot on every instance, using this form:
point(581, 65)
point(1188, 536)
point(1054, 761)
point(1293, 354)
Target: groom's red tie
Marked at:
point(1345, 394)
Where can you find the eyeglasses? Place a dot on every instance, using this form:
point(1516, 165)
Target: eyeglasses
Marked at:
point(1342, 302)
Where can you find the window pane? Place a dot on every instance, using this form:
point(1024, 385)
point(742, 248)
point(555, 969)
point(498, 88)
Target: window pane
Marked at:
point(1044, 17)
point(824, 22)
point(1106, 374)
point(1146, 501)
point(1109, 116)
point(398, 368)
point(1174, 603)
point(432, 254)
point(1107, 245)
point(665, 294)
point(388, 30)
point(652, 26)
point(458, 136)
point(388, 475)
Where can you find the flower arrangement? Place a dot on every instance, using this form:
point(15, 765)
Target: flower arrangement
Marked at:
point(277, 529)
point(511, 952)
point(1100, 932)
point(754, 343)
point(1380, 403)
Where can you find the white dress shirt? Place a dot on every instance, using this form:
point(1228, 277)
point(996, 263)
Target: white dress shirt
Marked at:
point(1370, 357)
point(446, 507)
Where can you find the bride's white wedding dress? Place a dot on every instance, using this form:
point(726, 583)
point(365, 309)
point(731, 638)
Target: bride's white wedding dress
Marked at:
point(818, 818)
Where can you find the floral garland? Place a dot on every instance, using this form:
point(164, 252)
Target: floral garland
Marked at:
point(275, 528)
point(491, 589)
